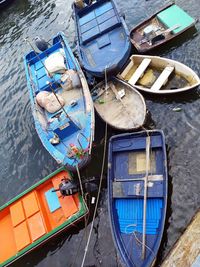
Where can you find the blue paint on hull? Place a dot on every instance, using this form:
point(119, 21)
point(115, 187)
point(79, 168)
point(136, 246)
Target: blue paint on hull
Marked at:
point(126, 198)
point(102, 38)
point(77, 131)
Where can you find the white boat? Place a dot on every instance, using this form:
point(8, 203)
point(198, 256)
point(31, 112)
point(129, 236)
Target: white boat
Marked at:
point(119, 105)
point(158, 75)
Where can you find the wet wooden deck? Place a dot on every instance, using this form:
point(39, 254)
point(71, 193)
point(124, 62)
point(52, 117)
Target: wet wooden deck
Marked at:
point(186, 252)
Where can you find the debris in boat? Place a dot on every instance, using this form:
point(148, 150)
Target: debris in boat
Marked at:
point(121, 93)
point(54, 140)
point(177, 109)
point(101, 101)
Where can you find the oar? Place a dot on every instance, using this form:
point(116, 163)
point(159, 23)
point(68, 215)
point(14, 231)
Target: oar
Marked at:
point(145, 198)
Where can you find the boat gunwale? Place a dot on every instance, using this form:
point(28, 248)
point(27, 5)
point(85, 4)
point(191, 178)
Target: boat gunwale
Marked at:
point(89, 109)
point(136, 92)
point(82, 212)
point(160, 43)
point(173, 63)
point(114, 232)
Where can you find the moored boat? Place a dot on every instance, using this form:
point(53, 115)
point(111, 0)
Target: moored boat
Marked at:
point(160, 28)
point(158, 75)
point(37, 215)
point(61, 103)
point(119, 105)
point(137, 195)
point(102, 37)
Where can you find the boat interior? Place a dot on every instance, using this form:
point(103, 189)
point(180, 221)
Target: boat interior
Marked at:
point(164, 25)
point(129, 170)
point(117, 103)
point(35, 214)
point(99, 27)
point(69, 120)
point(155, 74)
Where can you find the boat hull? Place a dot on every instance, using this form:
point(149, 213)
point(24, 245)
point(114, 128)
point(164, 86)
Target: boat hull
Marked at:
point(73, 121)
point(136, 34)
point(126, 113)
point(36, 216)
point(181, 80)
point(100, 31)
point(126, 170)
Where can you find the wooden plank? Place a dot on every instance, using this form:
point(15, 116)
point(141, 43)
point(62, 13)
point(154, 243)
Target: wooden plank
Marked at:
point(153, 178)
point(162, 79)
point(139, 71)
point(186, 251)
point(126, 70)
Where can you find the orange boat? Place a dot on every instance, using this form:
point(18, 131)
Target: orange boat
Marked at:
point(36, 215)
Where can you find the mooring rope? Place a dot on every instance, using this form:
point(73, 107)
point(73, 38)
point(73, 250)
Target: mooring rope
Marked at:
point(79, 177)
point(99, 189)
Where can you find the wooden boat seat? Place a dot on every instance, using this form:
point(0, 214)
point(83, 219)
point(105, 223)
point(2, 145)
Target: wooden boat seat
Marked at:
point(162, 79)
point(139, 71)
point(135, 189)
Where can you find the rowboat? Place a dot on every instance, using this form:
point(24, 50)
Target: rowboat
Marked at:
point(158, 75)
point(36, 216)
point(119, 104)
point(137, 195)
point(160, 28)
point(61, 103)
point(100, 31)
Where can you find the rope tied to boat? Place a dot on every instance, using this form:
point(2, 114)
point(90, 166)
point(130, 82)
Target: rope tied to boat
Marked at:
point(100, 183)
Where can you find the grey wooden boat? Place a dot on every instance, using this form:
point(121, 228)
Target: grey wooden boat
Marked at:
point(119, 104)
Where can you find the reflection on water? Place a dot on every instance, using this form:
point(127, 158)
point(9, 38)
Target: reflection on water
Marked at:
point(24, 160)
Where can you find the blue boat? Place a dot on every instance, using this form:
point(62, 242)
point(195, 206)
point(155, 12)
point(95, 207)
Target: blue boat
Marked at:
point(137, 195)
point(61, 103)
point(102, 37)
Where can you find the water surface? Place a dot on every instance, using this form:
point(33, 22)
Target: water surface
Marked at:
point(24, 161)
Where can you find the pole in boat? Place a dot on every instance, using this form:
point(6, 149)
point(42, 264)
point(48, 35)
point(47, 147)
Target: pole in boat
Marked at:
point(145, 198)
point(50, 83)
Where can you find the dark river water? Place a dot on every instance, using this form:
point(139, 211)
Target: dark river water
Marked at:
point(24, 161)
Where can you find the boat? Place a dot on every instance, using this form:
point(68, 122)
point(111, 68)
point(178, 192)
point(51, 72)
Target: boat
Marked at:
point(137, 195)
point(158, 75)
point(61, 103)
point(103, 43)
point(160, 28)
point(37, 215)
point(119, 105)
point(4, 3)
